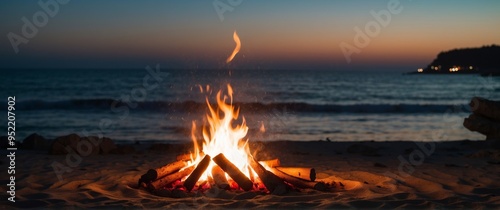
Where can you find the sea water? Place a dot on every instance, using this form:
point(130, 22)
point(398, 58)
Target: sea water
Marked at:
point(305, 105)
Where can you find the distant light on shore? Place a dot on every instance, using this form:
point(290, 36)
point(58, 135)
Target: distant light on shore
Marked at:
point(454, 69)
point(420, 70)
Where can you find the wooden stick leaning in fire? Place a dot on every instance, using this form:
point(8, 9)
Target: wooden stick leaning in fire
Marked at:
point(164, 181)
point(252, 178)
point(271, 163)
point(196, 174)
point(219, 177)
point(299, 172)
point(233, 172)
point(297, 182)
point(154, 174)
point(273, 183)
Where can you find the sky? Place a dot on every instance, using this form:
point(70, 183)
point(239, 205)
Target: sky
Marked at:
point(274, 34)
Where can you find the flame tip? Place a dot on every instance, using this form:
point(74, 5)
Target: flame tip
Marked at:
point(237, 47)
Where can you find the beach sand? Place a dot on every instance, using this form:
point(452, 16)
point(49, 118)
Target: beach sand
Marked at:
point(458, 174)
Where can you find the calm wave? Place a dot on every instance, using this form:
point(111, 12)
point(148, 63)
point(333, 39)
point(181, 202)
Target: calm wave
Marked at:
point(192, 106)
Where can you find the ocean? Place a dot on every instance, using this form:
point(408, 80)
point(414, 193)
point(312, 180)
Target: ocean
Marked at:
point(136, 105)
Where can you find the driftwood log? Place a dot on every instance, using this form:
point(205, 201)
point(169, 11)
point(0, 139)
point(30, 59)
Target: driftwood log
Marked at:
point(196, 174)
point(483, 125)
point(166, 180)
point(486, 108)
point(233, 172)
point(485, 118)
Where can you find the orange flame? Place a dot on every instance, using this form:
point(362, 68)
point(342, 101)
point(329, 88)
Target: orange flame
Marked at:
point(221, 137)
point(236, 49)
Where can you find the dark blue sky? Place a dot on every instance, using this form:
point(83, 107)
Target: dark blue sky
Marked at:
point(274, 34)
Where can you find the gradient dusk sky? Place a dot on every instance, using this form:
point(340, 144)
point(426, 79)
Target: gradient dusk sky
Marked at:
point(274, 34)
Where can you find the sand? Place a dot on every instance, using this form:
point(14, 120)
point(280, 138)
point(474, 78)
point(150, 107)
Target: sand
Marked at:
point(459, 174)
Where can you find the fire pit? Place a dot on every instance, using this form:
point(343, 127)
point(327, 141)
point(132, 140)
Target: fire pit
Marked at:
point(224, 159)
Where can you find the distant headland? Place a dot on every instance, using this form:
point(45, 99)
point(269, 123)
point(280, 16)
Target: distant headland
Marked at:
point(483, 60)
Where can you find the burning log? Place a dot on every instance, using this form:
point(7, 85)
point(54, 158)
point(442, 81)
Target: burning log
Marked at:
point(183, 157)
point(154, 174)
point(297, 182)
point(187, 156)
point(271, 163)
point(164, 181)
point(233, 172)
point(303, 173)
point(195, 176)
point(252, 178)
point(273, 183)
point(220, 178)
point(485, 107)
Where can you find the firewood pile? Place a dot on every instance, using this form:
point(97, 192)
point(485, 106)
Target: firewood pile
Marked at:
point(485, 118)
point(273, 178)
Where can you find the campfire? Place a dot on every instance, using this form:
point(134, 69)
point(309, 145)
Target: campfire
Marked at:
point(224, 159)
